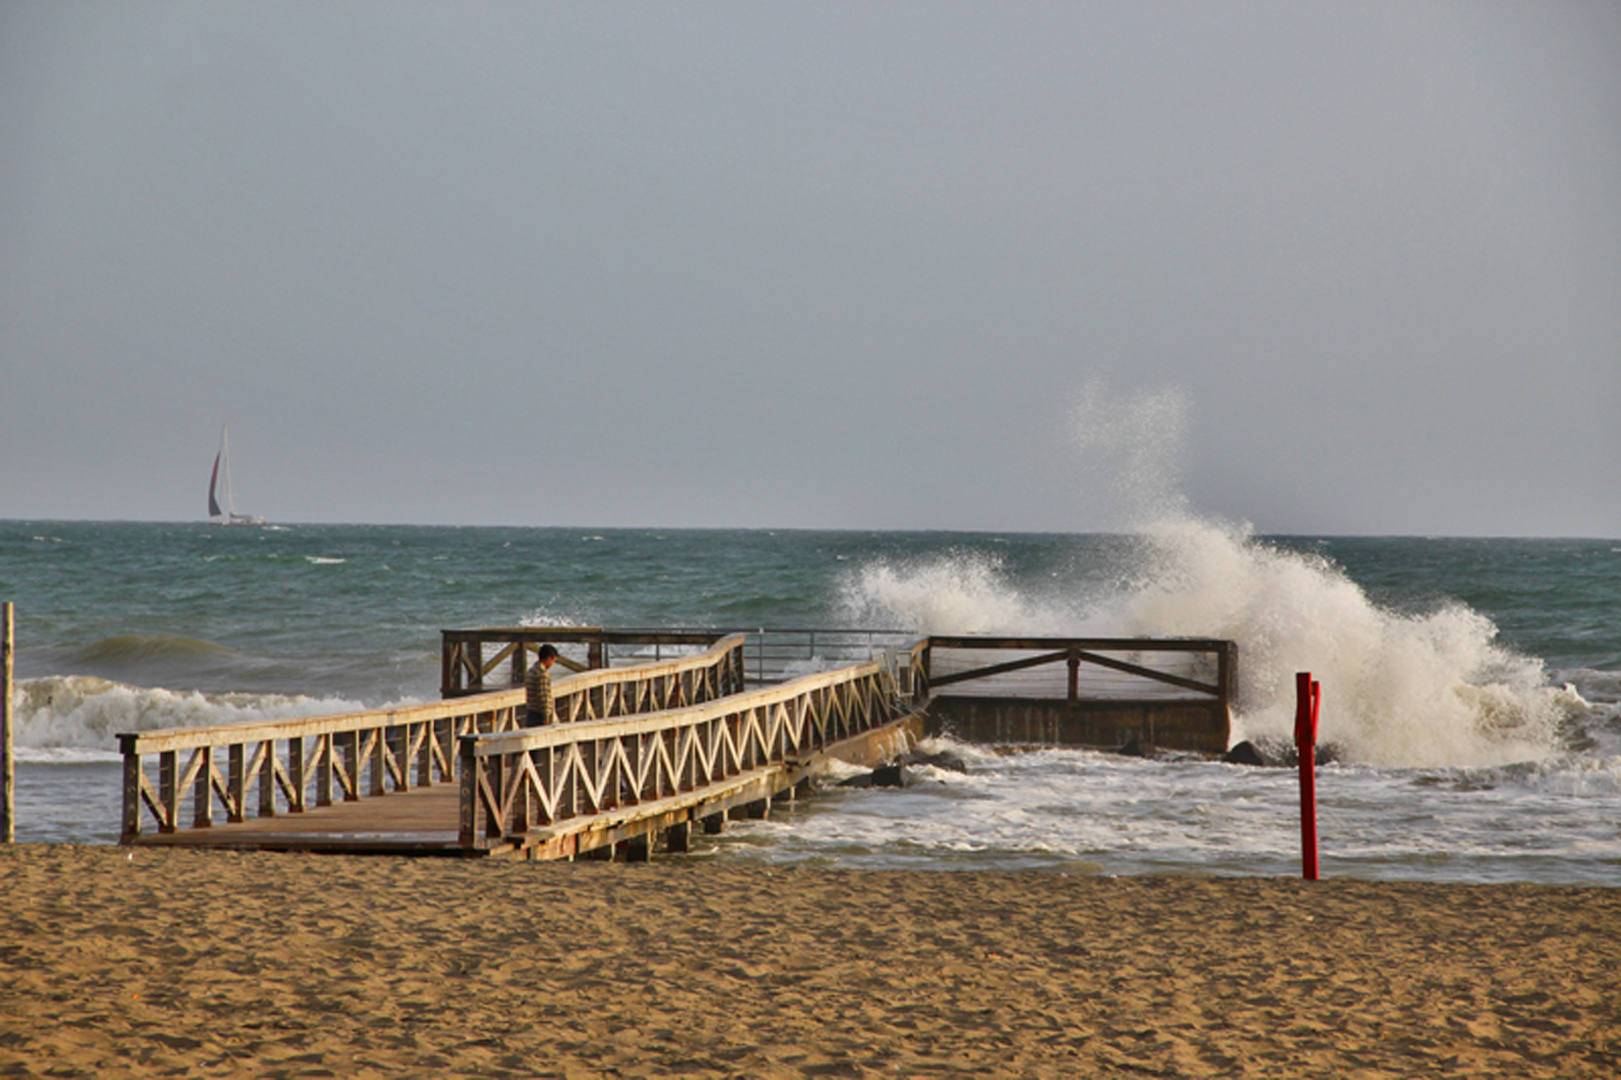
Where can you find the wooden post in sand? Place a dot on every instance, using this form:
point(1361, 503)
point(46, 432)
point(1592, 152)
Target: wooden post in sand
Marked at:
point(8, 808)
point(1309, 694)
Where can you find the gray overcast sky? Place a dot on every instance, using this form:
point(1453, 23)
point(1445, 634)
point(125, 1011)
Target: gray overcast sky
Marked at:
point(1355, 268)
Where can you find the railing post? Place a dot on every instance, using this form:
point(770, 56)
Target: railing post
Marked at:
point(468, 831)
point(295, 773)
point(351, 764)
point(323, 769)
point(8, 766)
point(379, 766)
point(132, 788)
point(202, 794)
point(267, 779)
point(424, 755)
point(449, 667)
point(235, 783)
point(168, 790)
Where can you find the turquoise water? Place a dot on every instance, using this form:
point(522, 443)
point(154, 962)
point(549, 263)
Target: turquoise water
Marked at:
point(1471, 686)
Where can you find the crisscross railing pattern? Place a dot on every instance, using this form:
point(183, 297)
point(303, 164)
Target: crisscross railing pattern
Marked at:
point(515, 781)
point(288, 766)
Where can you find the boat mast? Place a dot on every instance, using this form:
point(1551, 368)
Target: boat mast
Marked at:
point(225, 456)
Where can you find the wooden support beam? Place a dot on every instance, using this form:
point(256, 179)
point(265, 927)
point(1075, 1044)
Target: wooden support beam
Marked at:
point(1148, 673)
point(639, 848)
point(1001, 669)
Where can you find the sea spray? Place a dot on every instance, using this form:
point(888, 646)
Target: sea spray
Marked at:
point(1400, 689)
point(964, 592)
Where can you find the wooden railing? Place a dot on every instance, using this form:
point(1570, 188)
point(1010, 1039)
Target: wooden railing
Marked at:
point(464, 670)
point(516, 781)
point(1219, 655)
point(365, 754)
point(776, 654)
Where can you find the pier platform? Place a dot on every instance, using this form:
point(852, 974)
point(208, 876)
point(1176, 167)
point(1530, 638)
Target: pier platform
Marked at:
point(643, 756)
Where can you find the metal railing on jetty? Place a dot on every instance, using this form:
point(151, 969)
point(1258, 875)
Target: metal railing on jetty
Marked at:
point(370, 753)
point(665, 769)
point(774, 654)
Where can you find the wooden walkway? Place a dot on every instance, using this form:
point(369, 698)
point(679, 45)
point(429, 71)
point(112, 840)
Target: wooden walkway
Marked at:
point(641, 756)
point(419, 822)
point(426, 821)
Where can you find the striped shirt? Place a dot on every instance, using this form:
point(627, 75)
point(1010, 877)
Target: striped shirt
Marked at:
point(538, 690)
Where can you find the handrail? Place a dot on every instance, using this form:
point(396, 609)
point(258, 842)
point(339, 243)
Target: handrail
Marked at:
point(370, 752)
point(515, 781)
point(462, 666)
point(774, 652)
point(1076, 651)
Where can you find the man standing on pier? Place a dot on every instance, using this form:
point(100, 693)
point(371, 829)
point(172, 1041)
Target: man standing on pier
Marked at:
point(538, 688)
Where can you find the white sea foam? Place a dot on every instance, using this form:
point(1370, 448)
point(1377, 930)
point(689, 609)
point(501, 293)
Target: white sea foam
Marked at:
point(961, 593)
point(1085, 810)
point(78, 717)
point(540, 618)
point(1398, 689)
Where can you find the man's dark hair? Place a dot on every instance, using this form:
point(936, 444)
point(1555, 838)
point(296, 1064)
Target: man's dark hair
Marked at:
point(546, 652)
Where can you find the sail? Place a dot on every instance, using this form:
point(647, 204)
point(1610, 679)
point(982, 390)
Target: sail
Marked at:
point(213, 485)
point(222, 465)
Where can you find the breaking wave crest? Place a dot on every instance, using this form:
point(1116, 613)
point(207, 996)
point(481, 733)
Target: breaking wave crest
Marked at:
point(1399, 689)
point(78, 717)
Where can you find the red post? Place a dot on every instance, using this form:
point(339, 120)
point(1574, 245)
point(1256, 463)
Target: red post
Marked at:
point(1308, 696)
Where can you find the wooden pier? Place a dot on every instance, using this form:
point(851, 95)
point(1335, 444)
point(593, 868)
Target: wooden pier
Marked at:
point(641, 755)
point(638, 754)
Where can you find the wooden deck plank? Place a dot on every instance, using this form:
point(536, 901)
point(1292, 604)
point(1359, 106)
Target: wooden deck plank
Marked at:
point(409, 819)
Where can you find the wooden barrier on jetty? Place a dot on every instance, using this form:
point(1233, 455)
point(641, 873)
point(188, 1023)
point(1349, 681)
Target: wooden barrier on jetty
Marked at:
point(559, 791)
point(646, 751)
point(463, 669)
point(371, 753)
point(775, 655)
point(1189, 709)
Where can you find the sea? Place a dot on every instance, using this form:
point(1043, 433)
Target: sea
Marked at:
point(1471, 688)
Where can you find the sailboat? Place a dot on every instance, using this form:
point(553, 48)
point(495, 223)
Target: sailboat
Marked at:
point(227, 516)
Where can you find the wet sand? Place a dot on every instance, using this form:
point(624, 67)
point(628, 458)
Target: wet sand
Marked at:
point(209, 964)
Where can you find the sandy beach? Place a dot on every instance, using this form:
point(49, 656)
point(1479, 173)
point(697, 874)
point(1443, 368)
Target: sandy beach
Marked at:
point(120, 963)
